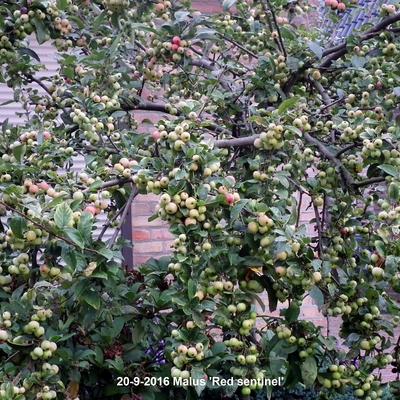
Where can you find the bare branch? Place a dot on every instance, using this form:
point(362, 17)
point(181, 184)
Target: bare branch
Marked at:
point(370, 181)
point(237, 142)
point(321, 90)
point(30, 78)
point(114, 182)
point(319, 230)
point(250, 53)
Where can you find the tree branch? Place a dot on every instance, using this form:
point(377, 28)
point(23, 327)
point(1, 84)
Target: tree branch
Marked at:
point(114, 182)
point(237, 142)
point(282, 46)
point(321, 90)
point(348, 181)
point(128, 204)
point(30, 78)
point(340, 50)
point(371, 181)
point(250, 53)
point(319, 229)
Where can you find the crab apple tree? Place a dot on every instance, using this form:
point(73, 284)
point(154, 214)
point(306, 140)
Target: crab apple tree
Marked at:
point(257, 119)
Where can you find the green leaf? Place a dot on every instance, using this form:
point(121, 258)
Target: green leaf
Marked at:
point(85, 226)
point(62, 4)
point(389, 169)
point(288, 104)
point(92, 298)
point(198, 374)
point(292, 313)
point(63, 217)
point(309, 371)
point(316, 49)
point(191, 285)
point(218, 348)
point(227, 4)
point(358, 62)
point(19, 152)
point(74, 235)
point(41, 31)
point(237, 209)
point(18, 225)
point(317, 295)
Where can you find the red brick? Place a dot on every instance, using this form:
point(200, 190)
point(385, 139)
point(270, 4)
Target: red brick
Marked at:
point(144, 208)
point(207, 6)
point(140, 258)
point(167, 246)
point(161, 234)
point(148, 247)
point(143, 221)
point(141, 235)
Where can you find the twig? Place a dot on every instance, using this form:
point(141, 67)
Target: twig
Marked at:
point(319, 230)
point(347, 148)
point(109, 222)
point(299, 209)
point(321, 90)
point(370, 181)
point(237, 142)
point(277, 28)
point(114, 182)
point(250, 53)
point(128, 204)
point(31, 78)
point(211, 91)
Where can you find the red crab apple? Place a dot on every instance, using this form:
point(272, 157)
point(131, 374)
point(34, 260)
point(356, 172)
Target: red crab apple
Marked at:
point(91, 209)
point(156, 135)
point(160, 7)
point(46, 135)
point(334, 4)
point(174, 47)
point(341, 7)
point(33, 189)
point(230, 198)
point(176, 40)
point(43, 185)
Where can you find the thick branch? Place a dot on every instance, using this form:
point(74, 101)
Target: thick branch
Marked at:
point(340, 50)
point(321, 90)
point(114, 182)
point(237, 142)
point(127, 206)
point(348, 181)
point(30, 78)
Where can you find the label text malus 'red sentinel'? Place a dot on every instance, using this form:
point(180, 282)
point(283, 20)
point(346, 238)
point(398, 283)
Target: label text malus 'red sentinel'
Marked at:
point(211, 380)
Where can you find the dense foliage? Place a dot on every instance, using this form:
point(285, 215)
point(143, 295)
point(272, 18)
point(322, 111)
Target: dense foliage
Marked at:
point(258, 118)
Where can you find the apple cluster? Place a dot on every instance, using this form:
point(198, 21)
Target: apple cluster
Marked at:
point(336, 5)
point(185, 208)
point(44, 351)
